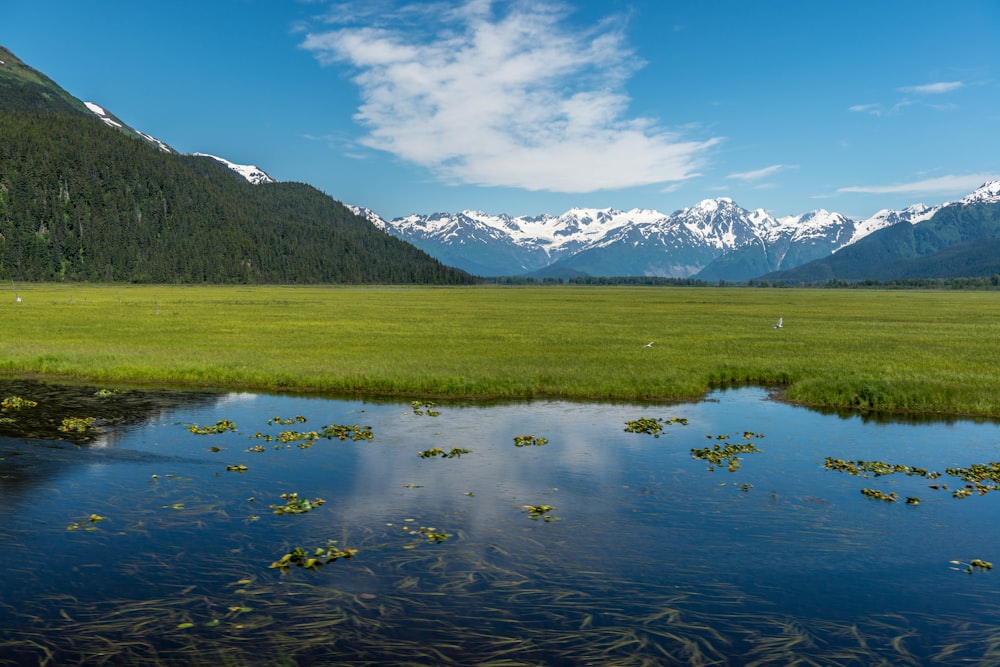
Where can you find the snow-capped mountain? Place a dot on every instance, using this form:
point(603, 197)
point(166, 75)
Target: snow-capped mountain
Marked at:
point(251, 173)
point(715, 239)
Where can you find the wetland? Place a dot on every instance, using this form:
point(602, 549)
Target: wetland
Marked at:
point(238, 528)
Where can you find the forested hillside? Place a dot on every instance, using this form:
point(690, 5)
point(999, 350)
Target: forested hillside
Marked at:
point(81, 201)
point(960, 240)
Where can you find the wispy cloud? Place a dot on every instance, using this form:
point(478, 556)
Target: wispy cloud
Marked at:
point(933, 88)
point(761, 173)
point(951, 184)
point(939, 88)
point(504, 98)
point(873, 109)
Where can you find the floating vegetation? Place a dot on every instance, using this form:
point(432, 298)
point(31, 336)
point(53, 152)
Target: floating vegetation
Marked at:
point(529, 441)
point(880, 495)
point(295, 505)
point(220, 426)
point(237, 468)
point(105, 393)
point(312, 560)
point(424, 408)
point(342, 432)
point(433, 535)
point(454, 453)
point(287, 421)
point(87, 524)
point(728, 454)
point(980, 478)
point(652, 425)
point(973, 565)
point(876, 468)
point(306, 439)
point(77, 424)
point(536, 512)
point(16, 403)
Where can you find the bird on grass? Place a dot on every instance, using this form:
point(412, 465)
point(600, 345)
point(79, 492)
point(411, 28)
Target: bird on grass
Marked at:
point(779, 324)
point(649, 344)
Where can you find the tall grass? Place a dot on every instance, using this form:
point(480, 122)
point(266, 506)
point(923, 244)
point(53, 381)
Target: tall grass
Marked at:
point(900, 350)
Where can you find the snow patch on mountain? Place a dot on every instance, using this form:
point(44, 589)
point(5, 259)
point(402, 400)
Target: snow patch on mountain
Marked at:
point(251, 173)
point(112, 121)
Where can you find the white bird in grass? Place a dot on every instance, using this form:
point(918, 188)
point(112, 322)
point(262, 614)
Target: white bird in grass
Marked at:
point(649, 344)
point(778, 325)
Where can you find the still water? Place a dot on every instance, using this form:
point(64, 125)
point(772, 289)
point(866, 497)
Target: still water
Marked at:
point(142, 542)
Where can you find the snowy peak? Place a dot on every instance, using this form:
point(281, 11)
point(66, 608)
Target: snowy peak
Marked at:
point(369, 215)
point(251, 173)
point(987, 193)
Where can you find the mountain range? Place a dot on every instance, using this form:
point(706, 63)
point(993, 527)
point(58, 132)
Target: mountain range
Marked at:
point(714, 240)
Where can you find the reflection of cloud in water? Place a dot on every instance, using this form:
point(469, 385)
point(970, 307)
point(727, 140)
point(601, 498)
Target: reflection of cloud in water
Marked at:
point(587, 451)
point(236, 397)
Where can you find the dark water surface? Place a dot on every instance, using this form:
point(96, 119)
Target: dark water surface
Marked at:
point(649, 557)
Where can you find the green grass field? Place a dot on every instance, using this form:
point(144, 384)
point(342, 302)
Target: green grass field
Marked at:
point(927, 351)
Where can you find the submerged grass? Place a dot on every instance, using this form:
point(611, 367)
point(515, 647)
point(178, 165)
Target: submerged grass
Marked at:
point(925, 351)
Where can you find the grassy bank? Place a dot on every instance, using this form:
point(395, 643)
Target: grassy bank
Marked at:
point(908, 350)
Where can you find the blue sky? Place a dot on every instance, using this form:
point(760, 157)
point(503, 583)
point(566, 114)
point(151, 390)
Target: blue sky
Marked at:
point(537, 106)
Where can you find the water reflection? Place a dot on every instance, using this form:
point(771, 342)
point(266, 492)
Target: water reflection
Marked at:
point(651, 557)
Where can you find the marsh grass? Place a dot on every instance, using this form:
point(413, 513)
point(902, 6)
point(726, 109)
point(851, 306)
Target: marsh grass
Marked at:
point(930, 351)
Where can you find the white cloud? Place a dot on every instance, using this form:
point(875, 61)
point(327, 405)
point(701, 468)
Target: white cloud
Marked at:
point(873, 109)
point(760, 173)
point(934, 88)
point(950, 184)
point(514, 98)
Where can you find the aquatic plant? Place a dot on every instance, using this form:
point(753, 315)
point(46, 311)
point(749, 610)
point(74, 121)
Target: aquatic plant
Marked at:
point(652, 425)
point(876, 468)
point(77, 424)
point(973, 565)
point(105, 393)
point(729, 454)
point(286, 421)
point(433, 535)
point(536, 512)
point(312, 560)
point(220, 426)
point(529, 441)
point(454, 453)
point(237, 468)
point(343, 432)
point(87, 524)
point(16, 403)
point(424, 408)
point(295, 505)
point(880, 495)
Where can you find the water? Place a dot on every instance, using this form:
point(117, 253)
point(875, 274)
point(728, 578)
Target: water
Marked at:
point(648, 556)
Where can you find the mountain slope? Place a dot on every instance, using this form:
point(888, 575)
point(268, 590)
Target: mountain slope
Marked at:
point(23, 88)
point(959, 240)
point(82, 200)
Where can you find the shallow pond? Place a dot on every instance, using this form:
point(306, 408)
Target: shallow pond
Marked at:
point(138, 541)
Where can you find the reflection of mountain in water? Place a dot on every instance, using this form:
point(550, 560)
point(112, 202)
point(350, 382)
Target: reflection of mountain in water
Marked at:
point(32, 448)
